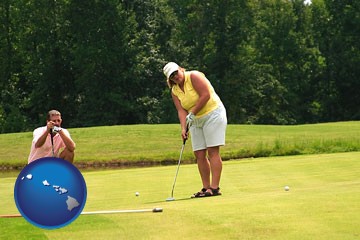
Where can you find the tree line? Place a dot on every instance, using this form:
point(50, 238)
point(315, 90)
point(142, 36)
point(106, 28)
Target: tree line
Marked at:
point(99, 62)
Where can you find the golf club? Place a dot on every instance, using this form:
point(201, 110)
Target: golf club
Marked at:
point(10, 215)
point(177, 169)
point(52, 142)
point(154, 210)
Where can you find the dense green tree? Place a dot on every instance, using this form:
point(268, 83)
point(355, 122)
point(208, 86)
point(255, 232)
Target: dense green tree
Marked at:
point(153, 48)
point(5, 52)
point(44, 70)
point(100, 62)
point(13, 93)
point(281, 40)
point(342, 51)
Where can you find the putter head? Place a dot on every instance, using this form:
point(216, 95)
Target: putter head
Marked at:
point(170, 199)
point(157, 209)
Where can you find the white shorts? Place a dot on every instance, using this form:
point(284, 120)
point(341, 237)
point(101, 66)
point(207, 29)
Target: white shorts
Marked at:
point(209, 130)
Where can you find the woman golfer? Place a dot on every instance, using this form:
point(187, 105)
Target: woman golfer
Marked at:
point(200, 108)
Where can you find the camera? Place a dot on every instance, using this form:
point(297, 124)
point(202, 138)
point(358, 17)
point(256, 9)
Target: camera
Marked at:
point(56, 129)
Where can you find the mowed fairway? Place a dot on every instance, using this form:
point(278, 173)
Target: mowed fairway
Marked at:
point(323, 202)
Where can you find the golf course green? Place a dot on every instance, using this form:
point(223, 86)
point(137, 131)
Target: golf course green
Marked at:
point(322, 203)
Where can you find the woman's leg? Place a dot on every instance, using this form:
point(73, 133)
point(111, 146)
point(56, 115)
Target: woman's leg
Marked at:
point(204, 167)
point(215, 166)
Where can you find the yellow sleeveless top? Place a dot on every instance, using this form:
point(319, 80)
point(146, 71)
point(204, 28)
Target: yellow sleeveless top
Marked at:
point(189, 96)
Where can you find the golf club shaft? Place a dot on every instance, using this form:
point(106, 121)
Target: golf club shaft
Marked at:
point(178, 166)
point(10, 216)
point(52, 142)
point(99, 212)
point(177, 169)
point(123, 211)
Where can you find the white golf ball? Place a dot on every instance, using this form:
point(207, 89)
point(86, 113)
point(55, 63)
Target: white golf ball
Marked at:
point(286, 188)
point(137, 194)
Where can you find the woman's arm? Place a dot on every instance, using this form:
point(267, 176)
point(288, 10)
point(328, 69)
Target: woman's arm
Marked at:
point(199, 83)
point(181, 114)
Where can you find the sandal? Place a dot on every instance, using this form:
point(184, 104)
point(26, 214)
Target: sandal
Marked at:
point(212, 192)
point(201, 193)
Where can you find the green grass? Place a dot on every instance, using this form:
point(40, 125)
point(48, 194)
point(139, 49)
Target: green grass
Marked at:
point(160, 144)
point(323, 202)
